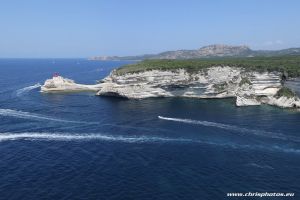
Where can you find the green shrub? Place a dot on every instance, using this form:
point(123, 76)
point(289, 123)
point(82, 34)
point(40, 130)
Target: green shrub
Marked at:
point(245, 81)
point(220, 87)
point(289, 64)
point(286, 92)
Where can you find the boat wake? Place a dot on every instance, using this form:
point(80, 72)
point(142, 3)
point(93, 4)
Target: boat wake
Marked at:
point(233, 128)
point(36, 136)
point(70, 137)
point(37, 117)
point(24, 90)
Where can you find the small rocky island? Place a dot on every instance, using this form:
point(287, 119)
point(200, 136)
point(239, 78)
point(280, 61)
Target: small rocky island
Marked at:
point(60, 84)
point(251, 81)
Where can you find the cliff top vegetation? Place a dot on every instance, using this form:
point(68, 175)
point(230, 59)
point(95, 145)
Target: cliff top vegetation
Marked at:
point(287, 64)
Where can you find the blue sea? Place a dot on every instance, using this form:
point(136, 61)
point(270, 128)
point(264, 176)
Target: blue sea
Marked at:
point(82, 146)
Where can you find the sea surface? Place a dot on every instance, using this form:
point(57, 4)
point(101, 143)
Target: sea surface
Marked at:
point(82, 146)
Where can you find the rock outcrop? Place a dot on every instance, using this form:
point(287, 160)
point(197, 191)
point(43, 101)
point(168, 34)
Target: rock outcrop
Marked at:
point(60, 84)
point(248, 87)
point(283, 102)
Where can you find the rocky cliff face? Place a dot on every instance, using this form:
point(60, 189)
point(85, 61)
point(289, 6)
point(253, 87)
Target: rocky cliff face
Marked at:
point(249, 88)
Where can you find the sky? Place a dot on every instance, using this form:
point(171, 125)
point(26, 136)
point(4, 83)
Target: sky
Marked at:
point(84, 28)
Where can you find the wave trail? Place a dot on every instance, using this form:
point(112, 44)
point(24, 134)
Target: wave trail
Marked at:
point(70, 137)
point(32, 116)
point(259, 166)
point(233, 128)
point(20, 92)
point(33, 136)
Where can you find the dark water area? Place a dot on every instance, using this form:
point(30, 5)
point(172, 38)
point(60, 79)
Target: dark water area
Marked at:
point(82, 146)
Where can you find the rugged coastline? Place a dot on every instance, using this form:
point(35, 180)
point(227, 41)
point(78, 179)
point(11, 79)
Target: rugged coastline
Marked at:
point(251, 81)
point(248, 87)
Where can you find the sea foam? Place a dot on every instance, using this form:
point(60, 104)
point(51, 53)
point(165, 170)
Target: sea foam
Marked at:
point(33, 116)
point(24, 90)
point(91, 136)
point(44, 136)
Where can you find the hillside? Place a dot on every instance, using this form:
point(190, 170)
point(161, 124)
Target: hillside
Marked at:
point(211, 51)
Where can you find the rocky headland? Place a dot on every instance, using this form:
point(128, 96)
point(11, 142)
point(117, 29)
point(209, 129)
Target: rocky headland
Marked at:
point(247, 87)
point(251, 81)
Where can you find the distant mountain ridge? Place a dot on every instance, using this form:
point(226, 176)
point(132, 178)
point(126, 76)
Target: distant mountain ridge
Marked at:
point(211, 51)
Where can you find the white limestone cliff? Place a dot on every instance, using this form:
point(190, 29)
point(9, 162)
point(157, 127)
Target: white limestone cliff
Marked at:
point(249, 87)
